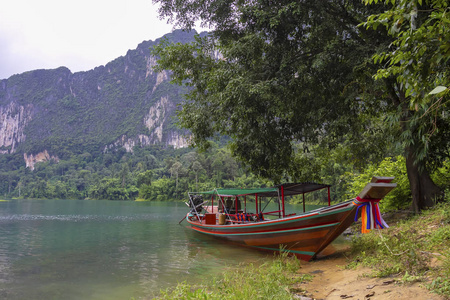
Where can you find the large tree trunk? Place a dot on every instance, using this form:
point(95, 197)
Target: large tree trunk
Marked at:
point(424, 191)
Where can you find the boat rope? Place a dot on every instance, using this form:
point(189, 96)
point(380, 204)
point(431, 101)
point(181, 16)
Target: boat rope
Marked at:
point(370, 214)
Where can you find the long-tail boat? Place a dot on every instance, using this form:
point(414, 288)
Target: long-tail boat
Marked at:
point(225, 214)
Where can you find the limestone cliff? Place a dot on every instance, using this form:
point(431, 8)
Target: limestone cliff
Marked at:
point(157, 116)
point(122, 104)
point(32, 159)
point(13, 119)
point(156, 120)
point(173, 138)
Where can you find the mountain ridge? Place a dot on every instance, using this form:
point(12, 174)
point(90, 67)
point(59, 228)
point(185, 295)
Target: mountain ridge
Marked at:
point(121, 104)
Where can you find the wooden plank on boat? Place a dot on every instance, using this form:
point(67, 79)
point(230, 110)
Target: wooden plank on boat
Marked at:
point(379, 179)
point(376, 190)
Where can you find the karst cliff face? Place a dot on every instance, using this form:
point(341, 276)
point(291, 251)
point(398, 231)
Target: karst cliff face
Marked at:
point(122, 104)
point(13, 119)
point(32, 159)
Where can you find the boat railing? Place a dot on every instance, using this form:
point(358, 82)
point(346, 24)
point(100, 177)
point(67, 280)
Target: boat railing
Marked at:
point(273, 213)
point(244, 218)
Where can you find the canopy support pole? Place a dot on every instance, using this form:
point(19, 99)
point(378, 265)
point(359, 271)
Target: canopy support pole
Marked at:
point(279, 208)
point(282, 200)
point(245, 204)
point(304, 208)
point(329, 198)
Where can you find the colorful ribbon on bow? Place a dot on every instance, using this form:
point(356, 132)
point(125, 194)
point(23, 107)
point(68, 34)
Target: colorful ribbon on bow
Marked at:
point(370, 214)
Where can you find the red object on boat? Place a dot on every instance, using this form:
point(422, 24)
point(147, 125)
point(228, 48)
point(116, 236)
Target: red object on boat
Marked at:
point(304, 235)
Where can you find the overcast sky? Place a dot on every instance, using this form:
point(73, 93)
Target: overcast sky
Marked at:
point(78, 34)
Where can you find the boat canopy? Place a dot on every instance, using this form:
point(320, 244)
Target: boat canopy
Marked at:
point(289, 189)
point(280, 191)
point(240, 192)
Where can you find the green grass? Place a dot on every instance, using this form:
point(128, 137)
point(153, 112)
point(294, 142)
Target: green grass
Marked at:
point(271, 280)
point(416, 249)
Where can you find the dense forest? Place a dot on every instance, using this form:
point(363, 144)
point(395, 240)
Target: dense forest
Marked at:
point(299, 78)
point(150, 173)
point(332, 92)
point(158, 173)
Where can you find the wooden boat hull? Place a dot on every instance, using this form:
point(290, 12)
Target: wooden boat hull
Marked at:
point(304, 235)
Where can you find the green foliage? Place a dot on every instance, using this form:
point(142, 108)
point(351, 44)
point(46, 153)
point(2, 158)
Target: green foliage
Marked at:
point(398, 198)
point(440, 239)
point(278, 80)
point(272, 78)
point(441, 283)
point(271, 280)
point(418, 60)
point(406, 249)
point(294, 93)
point(391, 253)
point(151, 173)
point(442, 175)
point(420, 52)
point(441, 235)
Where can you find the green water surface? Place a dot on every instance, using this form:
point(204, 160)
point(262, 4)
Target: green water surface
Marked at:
point(78, 249)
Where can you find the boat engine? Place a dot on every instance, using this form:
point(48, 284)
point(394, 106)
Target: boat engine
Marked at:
point(195, 203)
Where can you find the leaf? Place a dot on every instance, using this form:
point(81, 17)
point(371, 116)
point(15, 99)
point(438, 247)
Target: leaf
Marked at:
point(437, 90)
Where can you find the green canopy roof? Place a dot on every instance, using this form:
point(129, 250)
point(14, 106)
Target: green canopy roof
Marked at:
point(289, 190)
point(239, 192)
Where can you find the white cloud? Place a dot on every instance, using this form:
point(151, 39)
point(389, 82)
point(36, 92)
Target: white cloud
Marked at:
point(78, 34)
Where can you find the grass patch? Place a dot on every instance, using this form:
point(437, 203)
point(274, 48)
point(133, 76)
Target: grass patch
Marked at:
point(271, 280)
point(416, 249)
point(441, 281)
point(412, 250)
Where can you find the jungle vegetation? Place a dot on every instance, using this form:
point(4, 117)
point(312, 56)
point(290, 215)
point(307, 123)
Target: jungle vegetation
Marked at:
point(329, 91)
point(290, 81)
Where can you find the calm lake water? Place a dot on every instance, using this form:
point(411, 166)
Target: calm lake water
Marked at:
point(75, 249)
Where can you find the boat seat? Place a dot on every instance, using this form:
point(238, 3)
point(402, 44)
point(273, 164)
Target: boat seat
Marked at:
point(229, 205)
point(234, 204)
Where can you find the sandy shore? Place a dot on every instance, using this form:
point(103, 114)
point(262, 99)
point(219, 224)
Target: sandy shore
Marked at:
point(332, 281)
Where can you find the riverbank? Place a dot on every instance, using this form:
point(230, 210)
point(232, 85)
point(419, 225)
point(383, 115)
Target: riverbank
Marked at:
point(331, 279)
point(410, 260)
point(328, 278)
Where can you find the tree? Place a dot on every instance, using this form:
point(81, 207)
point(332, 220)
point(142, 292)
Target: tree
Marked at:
point(144, 178)
point(280, 76)
point(176, 169)
point(196, 167)
point(417, 65)
point(124, 173)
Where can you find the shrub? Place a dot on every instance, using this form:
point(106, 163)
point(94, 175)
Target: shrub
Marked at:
point(398, 198)
point(441, 283)
point(271, 280)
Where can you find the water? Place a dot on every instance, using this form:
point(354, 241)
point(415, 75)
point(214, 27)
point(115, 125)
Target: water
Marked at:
point(74, 249)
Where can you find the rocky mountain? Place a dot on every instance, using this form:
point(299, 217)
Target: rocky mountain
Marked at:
point(49, 114)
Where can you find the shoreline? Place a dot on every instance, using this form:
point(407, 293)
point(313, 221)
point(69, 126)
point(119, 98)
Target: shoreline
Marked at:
point(331, 280)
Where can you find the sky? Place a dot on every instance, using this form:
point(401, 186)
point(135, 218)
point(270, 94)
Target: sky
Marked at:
point(78, 34)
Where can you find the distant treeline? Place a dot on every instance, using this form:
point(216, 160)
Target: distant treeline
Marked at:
point(159, 173)
point(150, 173)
